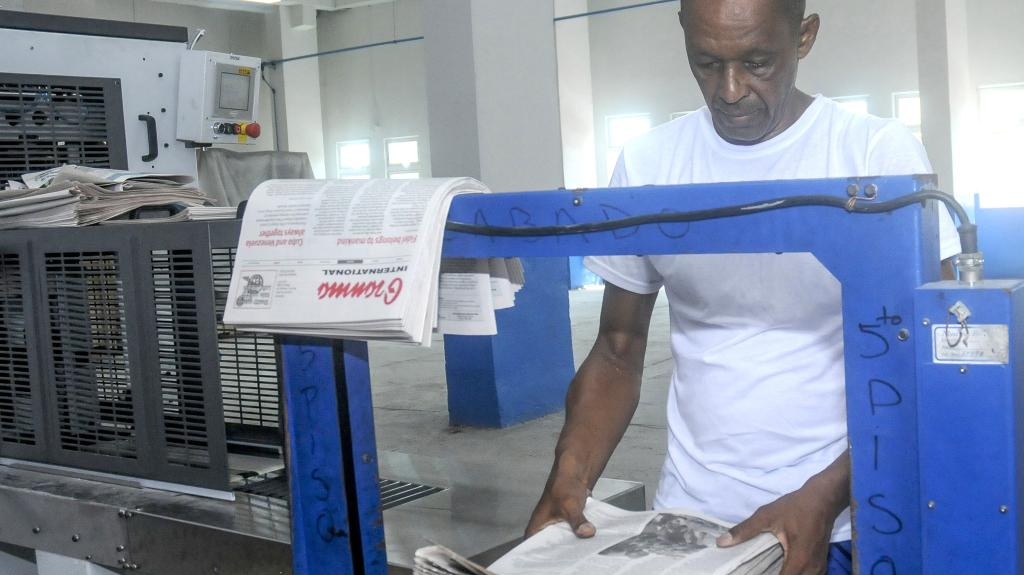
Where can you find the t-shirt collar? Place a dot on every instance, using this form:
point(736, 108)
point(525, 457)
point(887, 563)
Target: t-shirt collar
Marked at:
point(787, 137)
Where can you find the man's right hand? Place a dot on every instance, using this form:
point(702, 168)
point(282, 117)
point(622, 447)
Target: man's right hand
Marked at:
point(563, 500)
point(601, 401)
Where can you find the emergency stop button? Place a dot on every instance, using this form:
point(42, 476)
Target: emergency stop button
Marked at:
point(252, 130)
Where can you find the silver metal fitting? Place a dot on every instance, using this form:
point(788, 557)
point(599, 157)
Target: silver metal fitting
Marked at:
point(970, 267)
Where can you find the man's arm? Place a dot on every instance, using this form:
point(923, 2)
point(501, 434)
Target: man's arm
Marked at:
point(598, 408)
point(802, 520)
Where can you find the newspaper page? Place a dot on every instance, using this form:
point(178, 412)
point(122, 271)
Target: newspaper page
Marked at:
point(466, 302)
point(647, 543)
point(343, 258)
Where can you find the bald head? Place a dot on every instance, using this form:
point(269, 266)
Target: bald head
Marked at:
point(793, 11)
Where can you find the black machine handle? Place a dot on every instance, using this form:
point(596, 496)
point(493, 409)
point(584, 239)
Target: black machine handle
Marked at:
point(151, 132)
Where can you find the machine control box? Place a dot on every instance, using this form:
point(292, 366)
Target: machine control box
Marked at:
point(218, 96)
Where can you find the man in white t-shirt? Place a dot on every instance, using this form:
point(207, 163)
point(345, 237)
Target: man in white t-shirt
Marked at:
point(756, 407)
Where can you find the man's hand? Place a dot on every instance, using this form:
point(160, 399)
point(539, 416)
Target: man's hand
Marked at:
point(563, 500)
point(802, 520)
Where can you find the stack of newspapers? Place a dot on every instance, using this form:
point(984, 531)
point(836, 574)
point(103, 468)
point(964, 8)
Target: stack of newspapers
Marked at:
point(626, 543)
point(81, 196)
point(362, 260)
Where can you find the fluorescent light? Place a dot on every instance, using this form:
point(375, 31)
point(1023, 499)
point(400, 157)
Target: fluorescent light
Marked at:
point(264, 1)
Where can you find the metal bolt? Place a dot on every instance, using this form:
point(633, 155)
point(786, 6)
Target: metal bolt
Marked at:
point(577, 201)
point(129, 514)
point(88, 557)
point(1003, 509)
point(926, 322)
point(133, 566)
point(36, 530)
point(852, 190)
point(121, 512)
point(931, 505)
point(120, 548)
point(871, 191)
point(121, 561)
point(903, 335)
point(963, 369)
point(76, 538)
point(367, 458)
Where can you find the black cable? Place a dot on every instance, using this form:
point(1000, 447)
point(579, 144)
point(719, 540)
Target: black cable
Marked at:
point(860, 205)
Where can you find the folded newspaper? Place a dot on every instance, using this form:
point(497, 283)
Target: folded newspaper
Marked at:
point(361, 260)
point(79, 196)
point(626, 543)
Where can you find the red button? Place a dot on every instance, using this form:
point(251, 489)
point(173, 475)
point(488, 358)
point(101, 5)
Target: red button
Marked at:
point(252, 130)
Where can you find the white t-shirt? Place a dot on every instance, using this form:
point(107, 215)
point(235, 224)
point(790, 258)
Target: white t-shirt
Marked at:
point(757, 403)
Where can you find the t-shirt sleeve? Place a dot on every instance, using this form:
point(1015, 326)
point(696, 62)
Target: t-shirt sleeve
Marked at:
point(895, 151)
point(632, 273)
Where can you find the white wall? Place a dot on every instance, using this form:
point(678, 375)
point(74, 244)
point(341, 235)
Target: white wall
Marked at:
point(867, 47)
point(576, 95)
point(376, 93)
point(996, 41)
point(226, 31)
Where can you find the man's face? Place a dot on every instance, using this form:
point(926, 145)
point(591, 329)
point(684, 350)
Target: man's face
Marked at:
point(744, 55)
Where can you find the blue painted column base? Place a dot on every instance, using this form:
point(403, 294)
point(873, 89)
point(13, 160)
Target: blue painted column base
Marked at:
point(523, 372)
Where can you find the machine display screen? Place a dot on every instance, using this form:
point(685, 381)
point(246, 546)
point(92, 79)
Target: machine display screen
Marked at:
point(234, 91)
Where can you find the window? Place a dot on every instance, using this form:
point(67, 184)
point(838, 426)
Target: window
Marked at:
point(621, 129)
point(354, 160)
point(858, 104)
point(1001, 119)
point(403, 158)
point(906, 107)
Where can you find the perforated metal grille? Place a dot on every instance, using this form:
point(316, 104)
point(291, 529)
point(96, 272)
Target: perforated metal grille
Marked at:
point(90, 373)
point(16, 404)
point(47, 124)
point(248, 361)
point(393, 493)
point(178, 354)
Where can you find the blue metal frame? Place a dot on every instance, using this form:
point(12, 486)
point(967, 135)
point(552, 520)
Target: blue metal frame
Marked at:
point(879, 259)
point(337, 522)
point(972, 427)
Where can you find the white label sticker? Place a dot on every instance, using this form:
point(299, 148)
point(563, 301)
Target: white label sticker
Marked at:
point(971, 344)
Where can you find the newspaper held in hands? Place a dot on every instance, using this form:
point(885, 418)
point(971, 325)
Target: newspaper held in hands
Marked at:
point(355, 259)
point(626, 543)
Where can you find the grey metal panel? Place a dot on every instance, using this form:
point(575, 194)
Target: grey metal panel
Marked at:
point(148, 72)
point(125, 370)
point(54, 120)
point(187, 339)
point(160, 546)
point(91, 26)
point(61, 525)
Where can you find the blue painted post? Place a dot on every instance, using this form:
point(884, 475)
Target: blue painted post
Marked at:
point(337, 525)
point(523, 372)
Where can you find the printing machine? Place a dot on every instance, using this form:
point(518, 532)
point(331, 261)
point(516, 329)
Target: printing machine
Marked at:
point(138, 433)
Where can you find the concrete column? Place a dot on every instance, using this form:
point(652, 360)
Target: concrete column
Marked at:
point(298, 88)
point(576, 101)
point(949, 110)
point(492, 89)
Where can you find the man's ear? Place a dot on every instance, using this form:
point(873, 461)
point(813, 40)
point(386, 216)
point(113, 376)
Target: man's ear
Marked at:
point(808, 34)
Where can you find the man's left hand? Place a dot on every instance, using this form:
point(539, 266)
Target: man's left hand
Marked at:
point(802, 521)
